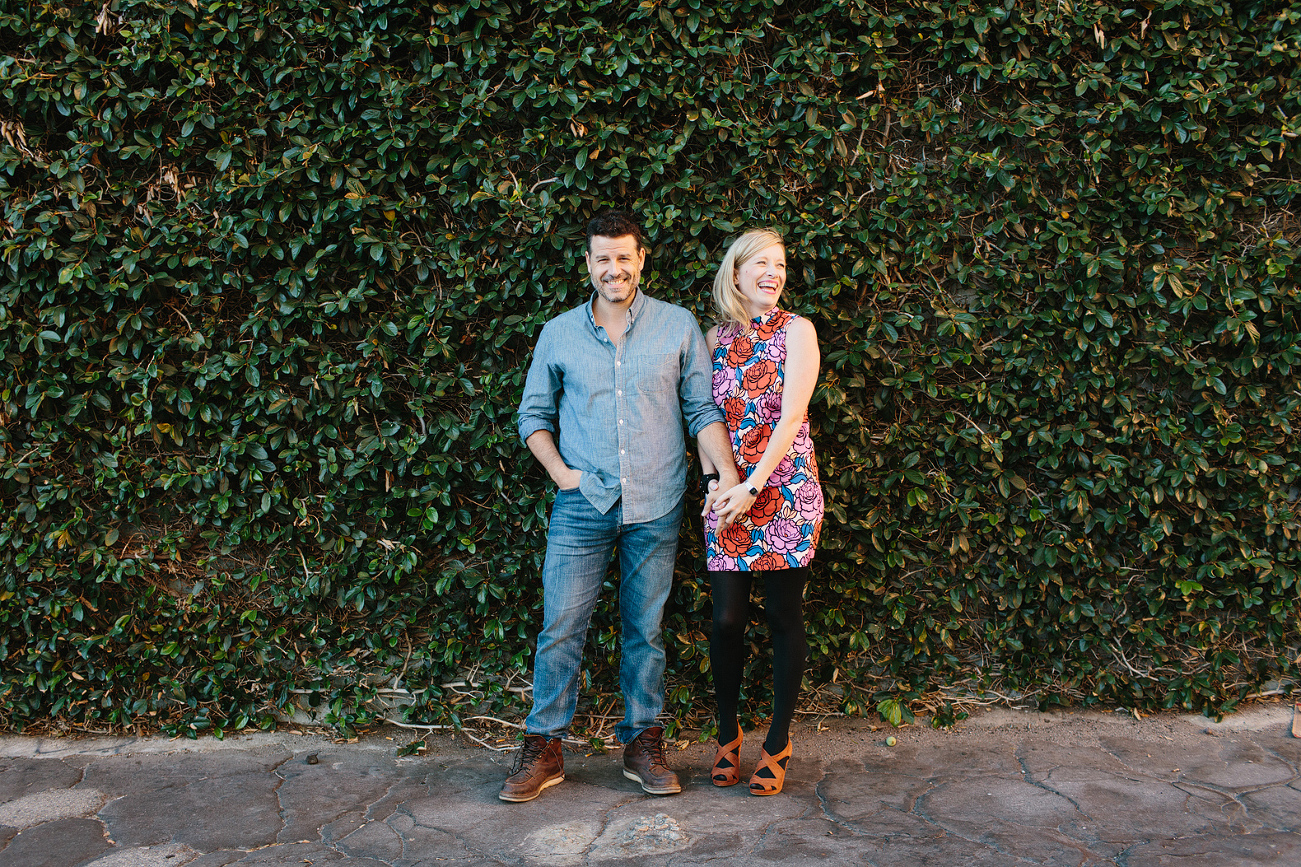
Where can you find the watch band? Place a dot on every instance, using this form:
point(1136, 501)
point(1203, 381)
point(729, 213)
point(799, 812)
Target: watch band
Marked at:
point(749, 486)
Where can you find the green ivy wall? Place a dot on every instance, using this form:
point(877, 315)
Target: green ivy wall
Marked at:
point(272, 273)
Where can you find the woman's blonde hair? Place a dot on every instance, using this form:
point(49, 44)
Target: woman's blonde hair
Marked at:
point(727, 297)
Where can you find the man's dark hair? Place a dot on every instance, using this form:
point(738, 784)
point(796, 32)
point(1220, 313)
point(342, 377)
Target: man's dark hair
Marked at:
point(615, 224)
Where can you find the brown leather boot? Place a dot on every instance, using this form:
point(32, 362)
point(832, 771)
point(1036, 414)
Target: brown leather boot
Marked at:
point(643, 761)
point(541, 763)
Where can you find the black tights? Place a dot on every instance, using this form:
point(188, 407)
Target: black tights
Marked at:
point(784, 606)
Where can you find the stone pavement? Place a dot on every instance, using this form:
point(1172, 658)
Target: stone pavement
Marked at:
point(1003, 788)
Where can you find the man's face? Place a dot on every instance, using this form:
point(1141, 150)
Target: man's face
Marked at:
point(615, 267)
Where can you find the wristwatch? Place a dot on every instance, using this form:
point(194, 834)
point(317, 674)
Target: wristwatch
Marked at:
point(704, 483)
point(749, 486)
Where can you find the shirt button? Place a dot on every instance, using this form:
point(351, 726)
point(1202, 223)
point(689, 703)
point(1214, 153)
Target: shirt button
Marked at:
point(620, 421)
point(625, 481)
point(621, 451)
point(620, 393)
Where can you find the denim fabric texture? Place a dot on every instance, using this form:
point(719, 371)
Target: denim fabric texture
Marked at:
point(617, 412)
point(580, 540)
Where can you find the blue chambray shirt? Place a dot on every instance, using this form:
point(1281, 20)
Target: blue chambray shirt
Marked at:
point(617, 415)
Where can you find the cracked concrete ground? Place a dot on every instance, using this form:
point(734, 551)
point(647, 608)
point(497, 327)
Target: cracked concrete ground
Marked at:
point(1003, 788)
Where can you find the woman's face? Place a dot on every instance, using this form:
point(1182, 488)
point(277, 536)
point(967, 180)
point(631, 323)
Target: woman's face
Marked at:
point(761, 279)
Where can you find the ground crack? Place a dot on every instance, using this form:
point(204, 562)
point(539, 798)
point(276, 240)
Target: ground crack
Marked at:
point(827, 812)
point(1028, 777)
point(280, 805)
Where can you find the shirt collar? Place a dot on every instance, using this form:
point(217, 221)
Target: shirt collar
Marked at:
point(638, 302)
point(764, 318)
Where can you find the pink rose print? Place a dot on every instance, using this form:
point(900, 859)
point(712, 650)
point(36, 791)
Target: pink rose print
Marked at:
point(783, 473)
point(783, 535)
point(808, 499)
point(776, 348)
point(769, 408)
point(722, 385)
point(719, 564)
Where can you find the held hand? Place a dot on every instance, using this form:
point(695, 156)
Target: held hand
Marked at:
point(732, 504)
point(710, 496)
point(729, 478)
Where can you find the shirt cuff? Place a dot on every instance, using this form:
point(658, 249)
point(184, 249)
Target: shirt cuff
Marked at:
point(703, 420)
point(528, 427)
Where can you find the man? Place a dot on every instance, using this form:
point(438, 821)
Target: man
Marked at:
point(603, 408)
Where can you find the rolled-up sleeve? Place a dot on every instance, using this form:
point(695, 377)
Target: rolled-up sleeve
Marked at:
point(696, 388)
point(539, 407)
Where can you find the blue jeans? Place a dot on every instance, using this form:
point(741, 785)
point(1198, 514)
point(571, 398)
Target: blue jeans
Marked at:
point(579, 542)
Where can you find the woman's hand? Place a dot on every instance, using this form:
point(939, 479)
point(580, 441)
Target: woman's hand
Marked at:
point(733, 504)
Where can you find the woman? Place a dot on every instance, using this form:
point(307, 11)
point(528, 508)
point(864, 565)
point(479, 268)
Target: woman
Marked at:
point(765, 367)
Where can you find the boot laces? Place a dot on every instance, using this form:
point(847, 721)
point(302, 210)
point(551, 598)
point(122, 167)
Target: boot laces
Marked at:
point(654, 749)
point(532, 752)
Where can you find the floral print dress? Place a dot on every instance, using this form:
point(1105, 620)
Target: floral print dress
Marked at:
point(782, 527)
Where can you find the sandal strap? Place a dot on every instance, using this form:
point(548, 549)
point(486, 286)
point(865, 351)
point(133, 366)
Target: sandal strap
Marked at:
point(729, 773)
point(776, 766)
point(727, 750)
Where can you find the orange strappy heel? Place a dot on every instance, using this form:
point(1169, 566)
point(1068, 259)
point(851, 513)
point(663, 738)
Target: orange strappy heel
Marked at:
point(776, 766)
point(727, 763)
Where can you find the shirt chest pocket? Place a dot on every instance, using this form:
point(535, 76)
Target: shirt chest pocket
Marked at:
point(654, 374)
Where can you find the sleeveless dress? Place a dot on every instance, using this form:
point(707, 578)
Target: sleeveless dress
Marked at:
point(782, 527)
